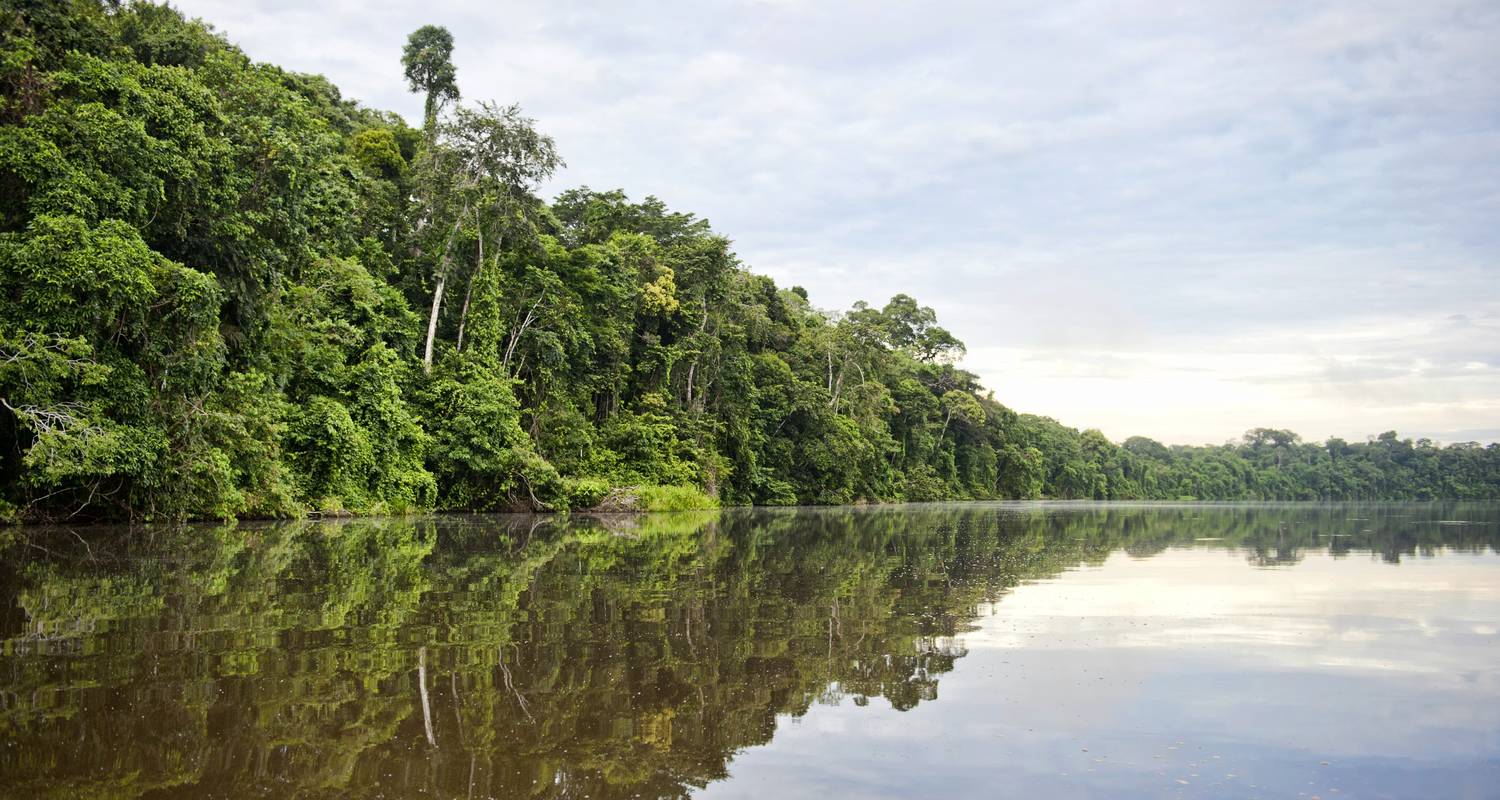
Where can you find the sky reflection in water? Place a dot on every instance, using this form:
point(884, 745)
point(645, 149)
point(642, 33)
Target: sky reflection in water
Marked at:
point(1187, 674)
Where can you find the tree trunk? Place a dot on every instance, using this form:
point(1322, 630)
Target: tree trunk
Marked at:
point(515, 337)
point(432, 320)
point(463, 315)
point(838, 386)
point(693, 368)
point(437, 292)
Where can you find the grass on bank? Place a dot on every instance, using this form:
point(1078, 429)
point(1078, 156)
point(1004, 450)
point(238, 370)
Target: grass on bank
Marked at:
point(674, 498)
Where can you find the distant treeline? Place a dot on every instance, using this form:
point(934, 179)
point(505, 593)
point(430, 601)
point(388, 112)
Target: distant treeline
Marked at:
point(225, 290)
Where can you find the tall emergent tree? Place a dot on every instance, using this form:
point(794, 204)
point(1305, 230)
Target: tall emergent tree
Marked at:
point(428, 59)
point(486, 165)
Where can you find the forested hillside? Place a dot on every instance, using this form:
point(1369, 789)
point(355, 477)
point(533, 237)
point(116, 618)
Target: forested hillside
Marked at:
point(226, 290)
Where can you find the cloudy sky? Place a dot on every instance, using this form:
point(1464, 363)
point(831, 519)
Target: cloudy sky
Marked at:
point(1177, 219)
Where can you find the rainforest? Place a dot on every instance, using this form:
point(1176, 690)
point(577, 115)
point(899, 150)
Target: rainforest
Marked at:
point(227, 290)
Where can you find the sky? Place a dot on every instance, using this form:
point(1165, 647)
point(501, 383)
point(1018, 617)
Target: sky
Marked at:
point(1172, 219)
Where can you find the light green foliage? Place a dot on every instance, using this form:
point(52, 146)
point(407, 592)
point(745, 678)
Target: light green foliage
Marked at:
point(674, 498)
point(659, 297)
point(586, 492)
point(227, 290)
point(376, 150)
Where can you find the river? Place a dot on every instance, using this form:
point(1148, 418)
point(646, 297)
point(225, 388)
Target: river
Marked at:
point(1053, 650)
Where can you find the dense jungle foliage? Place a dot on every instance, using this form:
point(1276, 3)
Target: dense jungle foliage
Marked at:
point(622, 657)
point(226, 290)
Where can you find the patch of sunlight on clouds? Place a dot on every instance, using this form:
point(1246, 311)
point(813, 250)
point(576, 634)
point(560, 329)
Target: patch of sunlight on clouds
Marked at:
point(1348, 382)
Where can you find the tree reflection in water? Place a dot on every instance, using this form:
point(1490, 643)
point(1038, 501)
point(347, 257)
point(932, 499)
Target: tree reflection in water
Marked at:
point(510, 656)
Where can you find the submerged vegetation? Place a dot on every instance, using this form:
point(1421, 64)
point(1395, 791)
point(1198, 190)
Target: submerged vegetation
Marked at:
point(226, 290)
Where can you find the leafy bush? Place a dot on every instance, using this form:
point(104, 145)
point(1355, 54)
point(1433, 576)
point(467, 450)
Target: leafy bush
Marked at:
point(586, 492)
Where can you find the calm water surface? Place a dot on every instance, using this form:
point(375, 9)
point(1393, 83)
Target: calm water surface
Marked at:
point(943, 651)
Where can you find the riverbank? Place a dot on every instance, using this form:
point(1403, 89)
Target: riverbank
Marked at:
point(586, 497)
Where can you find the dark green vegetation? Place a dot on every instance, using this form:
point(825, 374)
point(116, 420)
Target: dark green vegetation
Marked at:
point(225, 290)
point(527, 656)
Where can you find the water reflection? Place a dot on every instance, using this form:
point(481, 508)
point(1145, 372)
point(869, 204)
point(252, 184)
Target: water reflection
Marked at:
point(646, 656)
